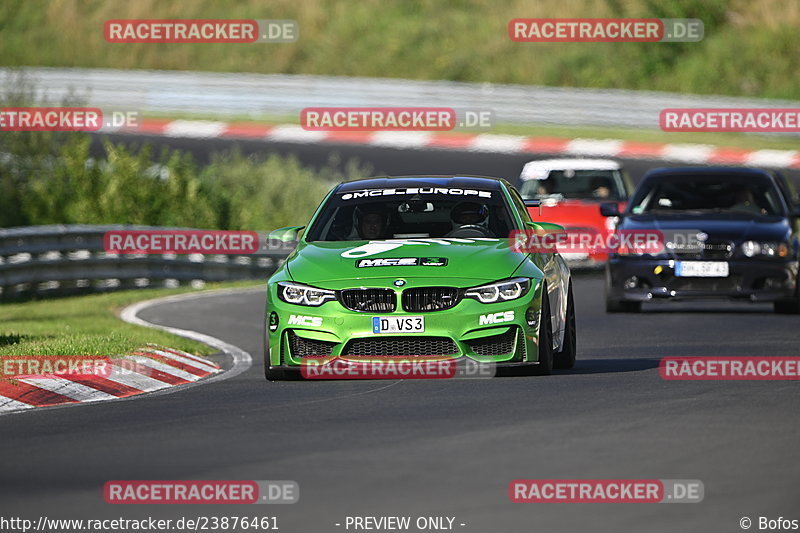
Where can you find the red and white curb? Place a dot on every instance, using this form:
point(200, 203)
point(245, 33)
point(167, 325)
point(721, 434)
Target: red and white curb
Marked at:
point(154, 369)
point(157, 370)
point(470, 142)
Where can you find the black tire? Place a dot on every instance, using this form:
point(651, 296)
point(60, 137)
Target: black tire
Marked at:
point(271, 373)
point(614, 305)
point(566, 357)
point(622, 306)
point(789, 307)
point(274, 374)
point(282, 374)
point(545, 366)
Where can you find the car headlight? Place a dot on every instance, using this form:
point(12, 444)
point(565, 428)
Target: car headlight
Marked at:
point(764, 249)
point(295, 293)
point(499, 291)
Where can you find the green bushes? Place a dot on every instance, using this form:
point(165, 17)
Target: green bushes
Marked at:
point(51, 178)
point(66, 186)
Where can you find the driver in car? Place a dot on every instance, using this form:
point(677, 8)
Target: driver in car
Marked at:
point(372, 225)
point(470, 215)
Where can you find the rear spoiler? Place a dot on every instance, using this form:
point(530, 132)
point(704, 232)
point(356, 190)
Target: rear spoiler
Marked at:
point(534, 203)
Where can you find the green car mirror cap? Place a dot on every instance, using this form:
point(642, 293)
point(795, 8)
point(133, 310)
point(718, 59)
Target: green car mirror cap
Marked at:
point(287, 234)
point(549, 227)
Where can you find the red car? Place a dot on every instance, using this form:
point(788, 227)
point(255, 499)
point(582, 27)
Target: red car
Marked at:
point(571, 191)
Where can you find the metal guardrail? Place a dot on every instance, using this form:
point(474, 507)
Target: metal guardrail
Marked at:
point(70, 259)
point(259, 94)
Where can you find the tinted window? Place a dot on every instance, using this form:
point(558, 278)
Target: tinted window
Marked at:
point(412, 213)
point(581, 184)
point(746, 194)
point(788, 189)
point(520, 205)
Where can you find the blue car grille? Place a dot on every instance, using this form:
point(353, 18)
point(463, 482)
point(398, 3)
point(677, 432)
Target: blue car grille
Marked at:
point(708, 251)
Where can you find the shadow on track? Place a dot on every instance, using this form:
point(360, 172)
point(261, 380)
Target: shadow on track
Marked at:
point(596, 366)
point(611, 366)
point(672, 308)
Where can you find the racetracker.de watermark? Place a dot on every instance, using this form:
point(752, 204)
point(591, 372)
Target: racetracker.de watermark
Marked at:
point(65, 119)
point(754, 120)
point(605, 30)
point(395, 118)
point(77, 367)
point(201, 492)
point(200, 31)
point(36, 366)
point(587, 240)
point(729, 368)
point(606, 491)
point(193, 242)
point(372, 367)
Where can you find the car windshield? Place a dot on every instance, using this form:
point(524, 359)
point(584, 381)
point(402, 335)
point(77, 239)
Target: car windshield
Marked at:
point(581, 184)
point(405, 213)
point(748, 194)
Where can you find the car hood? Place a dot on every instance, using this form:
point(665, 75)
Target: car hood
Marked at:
point(733, 228)
point(466, 261)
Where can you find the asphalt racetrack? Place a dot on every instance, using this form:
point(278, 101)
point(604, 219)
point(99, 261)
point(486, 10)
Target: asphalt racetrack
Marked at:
point(442, 447)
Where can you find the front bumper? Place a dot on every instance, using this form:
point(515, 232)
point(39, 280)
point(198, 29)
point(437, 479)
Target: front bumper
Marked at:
point(632, 278)
point(503, 333)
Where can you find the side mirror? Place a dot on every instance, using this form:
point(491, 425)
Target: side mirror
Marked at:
point(287, 234)
point(609, 209)
point(536, 238)
point(549, 227)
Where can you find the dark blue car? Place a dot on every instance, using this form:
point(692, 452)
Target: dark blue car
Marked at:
point(727, 233)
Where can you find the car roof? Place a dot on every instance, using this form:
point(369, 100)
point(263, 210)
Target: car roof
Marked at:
point(712, 170)
point(449, 181)
point(540, 168)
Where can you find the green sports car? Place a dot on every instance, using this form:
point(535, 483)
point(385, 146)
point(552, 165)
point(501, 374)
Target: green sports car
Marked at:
point(419, 266)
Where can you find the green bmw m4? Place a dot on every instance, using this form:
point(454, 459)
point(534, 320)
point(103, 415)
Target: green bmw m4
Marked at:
point(415, 267)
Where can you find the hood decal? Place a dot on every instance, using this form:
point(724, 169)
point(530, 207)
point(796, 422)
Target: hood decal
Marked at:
point(378, 247)
point(401, 261)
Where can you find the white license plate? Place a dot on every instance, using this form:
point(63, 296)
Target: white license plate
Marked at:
point(398, 324)
point(701, 269)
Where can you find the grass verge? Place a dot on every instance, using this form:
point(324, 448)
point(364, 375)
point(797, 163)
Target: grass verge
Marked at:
point(88, 325)
point(750, 47)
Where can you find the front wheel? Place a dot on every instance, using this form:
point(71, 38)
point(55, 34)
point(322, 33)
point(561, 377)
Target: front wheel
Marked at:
point(545, 366)
point(566, 357)
point(282, 374)
point(274, 374)
point(614, 305)
point(790, 307)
